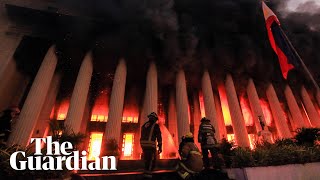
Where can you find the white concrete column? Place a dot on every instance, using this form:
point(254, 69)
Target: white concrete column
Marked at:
point(298, 121)
point(278, 114)
point(42, 127)
point(80, 95)
point(209, 104)
point(196, 117)
point(182, 105)
point(172, 119)
point(311, 110)
point(113, 126)
point(31, 110)
point(238, 124)
point(222, 125)
point(255, 106)
point(151, 96)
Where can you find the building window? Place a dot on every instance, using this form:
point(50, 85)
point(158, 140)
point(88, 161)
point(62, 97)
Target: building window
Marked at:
point(94, 145)
point(129, 119)
point(100, 118)
point(127, 145)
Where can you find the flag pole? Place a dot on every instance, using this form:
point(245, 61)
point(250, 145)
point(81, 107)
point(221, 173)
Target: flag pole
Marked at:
point(303, 65)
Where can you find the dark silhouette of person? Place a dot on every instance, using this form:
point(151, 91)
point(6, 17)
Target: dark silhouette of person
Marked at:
point(208, 143)
point(150, 133)
point(6, 120)
point(191, 158)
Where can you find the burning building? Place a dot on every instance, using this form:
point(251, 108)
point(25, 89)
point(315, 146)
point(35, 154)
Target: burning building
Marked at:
point(93, 75)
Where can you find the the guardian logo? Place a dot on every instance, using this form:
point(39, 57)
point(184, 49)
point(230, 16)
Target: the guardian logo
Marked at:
point(59, 158)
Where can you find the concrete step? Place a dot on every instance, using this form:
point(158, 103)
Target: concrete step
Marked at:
point(136, 166)
point(157, 175)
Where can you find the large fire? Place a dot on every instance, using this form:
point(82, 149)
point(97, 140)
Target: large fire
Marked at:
point(94, 145)
point(246, 111)
point(224, 105)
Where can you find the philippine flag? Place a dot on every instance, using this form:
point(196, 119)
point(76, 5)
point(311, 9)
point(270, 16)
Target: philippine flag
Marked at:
point(287, 57)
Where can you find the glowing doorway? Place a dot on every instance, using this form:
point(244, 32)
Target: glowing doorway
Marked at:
point(127, 146)
point(94, 145)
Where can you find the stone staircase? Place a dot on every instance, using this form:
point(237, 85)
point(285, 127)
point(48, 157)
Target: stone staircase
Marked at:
point(133, 170)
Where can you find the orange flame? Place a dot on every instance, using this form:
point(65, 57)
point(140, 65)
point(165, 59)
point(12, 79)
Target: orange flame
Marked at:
point(94, 145)
point(266, 112)
point(100, 108)
point(127, 146)
point(224, 105)
point(201, 101)
point(246, 111)
point(63, 110)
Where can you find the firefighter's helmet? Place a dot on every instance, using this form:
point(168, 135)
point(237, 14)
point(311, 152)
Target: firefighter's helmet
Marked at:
point(205, 119)
point(189, 135)
point(153, 114)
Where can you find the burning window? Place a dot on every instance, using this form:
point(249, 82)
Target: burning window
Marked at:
point(100, 118)
point(63, 109)
point(94, 145)
point(61, 116)
point(127, 145)
point(129, 119)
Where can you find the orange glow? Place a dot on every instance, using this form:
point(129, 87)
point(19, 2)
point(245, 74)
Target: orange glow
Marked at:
point(130, 116)
point(189, 114)
point(266, 112)
point(127, 146)
point(284, 112)
point(94, 145)
point(100, 108)
point(252, 140)
point(52, 113)
point(63, 110)
point(169, 149)
point(246, 111)
point(231, 138)
point(224, 105)
point(202, 109)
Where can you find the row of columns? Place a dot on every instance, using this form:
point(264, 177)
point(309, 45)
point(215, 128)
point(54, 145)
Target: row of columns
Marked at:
point(178, 110)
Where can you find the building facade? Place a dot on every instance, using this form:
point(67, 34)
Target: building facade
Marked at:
point(57, 80)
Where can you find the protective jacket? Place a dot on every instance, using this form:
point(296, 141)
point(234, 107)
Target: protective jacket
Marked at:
point(191, 160)
point(150, 132)
point(206, 135)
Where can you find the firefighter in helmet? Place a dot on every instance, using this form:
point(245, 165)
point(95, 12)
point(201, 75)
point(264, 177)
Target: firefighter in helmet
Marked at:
point(150, 133)
point(191, 158)
point(208, 143)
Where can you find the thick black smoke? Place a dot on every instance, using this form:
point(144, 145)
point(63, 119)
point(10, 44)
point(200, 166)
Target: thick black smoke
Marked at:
point(220, 35)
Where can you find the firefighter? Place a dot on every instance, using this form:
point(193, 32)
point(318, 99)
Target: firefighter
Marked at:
point(191, 158)
point(150, 133)
point(208, 143)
